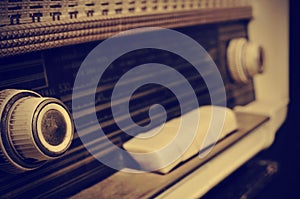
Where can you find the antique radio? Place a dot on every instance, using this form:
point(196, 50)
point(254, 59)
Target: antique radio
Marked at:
point(47, 45)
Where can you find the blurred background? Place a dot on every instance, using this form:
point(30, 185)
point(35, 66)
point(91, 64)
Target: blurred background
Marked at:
point(286, 148)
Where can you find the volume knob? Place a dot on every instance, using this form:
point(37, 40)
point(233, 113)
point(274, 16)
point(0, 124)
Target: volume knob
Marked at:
point(244, 59)
point(34, 129)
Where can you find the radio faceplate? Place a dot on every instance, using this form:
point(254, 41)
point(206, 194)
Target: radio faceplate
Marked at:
point(57, 68)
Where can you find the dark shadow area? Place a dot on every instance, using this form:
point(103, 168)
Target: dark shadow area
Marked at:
point(286, 148)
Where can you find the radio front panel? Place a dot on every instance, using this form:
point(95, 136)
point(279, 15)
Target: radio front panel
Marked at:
point(52, 73)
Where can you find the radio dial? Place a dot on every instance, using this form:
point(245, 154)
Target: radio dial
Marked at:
point(33, 129)
point(244, 59)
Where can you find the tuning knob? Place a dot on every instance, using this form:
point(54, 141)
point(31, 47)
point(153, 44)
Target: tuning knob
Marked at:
point(33, 130)
point(244, 59)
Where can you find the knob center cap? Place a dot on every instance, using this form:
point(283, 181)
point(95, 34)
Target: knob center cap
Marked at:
point(54, 128)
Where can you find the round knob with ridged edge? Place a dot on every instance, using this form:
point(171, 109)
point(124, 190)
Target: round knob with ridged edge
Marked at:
point(34, 129)
point(244, 60)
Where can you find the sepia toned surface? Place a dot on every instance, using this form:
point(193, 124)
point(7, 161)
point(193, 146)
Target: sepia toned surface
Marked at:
point(43, 43)
point(145, 185)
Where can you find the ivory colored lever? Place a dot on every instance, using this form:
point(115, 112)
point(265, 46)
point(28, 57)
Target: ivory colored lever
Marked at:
point(152, 143)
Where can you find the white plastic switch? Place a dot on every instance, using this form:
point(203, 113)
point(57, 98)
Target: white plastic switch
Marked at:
point(150, 142)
